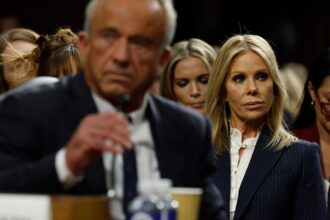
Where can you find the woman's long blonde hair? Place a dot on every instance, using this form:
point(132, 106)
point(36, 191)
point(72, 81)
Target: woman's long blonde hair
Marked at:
point(217, 108)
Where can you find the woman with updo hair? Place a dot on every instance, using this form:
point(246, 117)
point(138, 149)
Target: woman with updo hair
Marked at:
point(56, 55)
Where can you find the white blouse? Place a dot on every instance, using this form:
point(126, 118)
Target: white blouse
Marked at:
point(238, 169)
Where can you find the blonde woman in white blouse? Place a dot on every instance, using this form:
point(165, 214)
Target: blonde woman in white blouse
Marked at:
point(263, 171)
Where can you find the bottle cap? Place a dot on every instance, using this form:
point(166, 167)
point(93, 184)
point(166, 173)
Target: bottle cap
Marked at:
point(158, 186)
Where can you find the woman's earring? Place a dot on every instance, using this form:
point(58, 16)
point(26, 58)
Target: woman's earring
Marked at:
point(312, 103)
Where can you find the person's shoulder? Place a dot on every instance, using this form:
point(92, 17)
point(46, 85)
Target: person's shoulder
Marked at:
point(300, 151)
point(30, 88)
point(39, 87)
point(305, 146)
point(306, 143)
point(35, 94)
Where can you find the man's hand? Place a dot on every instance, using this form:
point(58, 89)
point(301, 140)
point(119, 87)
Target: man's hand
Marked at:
point(95, 134)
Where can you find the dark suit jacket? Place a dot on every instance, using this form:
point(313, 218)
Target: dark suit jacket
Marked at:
point(311, 134)
point(36, 122)
point(277, 185)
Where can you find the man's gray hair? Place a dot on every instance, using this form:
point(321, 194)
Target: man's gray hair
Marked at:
point(167, 6)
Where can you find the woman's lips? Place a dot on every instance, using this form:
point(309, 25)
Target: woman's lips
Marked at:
point(197, 105)
point(252, 105)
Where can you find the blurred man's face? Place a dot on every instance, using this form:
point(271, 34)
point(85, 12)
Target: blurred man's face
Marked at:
point(122, 51)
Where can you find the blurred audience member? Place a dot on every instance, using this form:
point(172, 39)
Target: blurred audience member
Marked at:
point(313, 122)
point(186, 74)
point(52, 55)
point(14, 44)
point(56, 55)
point(294, 76)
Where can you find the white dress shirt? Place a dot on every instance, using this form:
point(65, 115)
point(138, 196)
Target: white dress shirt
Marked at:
point(147, 164)
point(238, 166)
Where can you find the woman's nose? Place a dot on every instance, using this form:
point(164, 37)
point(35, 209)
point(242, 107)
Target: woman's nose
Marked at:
point(195, 91)
point(252, 87)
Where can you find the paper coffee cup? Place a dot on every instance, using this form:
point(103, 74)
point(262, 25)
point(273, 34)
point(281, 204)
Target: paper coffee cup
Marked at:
point(189, 202)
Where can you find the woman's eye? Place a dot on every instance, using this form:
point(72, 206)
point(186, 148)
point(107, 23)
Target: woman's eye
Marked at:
point(238, 78)
point(262, 76)
point(203, 79)
point(181, 83)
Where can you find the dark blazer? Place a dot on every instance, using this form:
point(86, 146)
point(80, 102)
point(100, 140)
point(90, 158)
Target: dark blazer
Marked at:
point(284, 184)
point(36, 122)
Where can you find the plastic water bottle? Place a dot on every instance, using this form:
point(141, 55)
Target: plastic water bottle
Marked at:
point(165, 203)
point(144, 206)
point(154, 201)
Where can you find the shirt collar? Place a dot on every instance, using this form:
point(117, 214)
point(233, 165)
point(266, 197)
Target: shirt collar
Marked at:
point(236, 138)
point(138, 115)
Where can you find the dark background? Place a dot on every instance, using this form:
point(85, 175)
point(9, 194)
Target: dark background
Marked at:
point(297, 30)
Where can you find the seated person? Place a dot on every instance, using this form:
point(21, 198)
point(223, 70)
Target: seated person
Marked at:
point(100, 130)
point(14, 44)
point(186, 74)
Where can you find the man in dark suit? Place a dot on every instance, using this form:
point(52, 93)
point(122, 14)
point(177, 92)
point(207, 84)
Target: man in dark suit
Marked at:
point(61, 138)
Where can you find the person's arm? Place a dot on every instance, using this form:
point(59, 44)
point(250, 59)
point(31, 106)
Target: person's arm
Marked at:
point(97, 133)
point(24, 168)
point(28, 146)
point(310, 196)
point(212, 205)
point(29, 177)
point(66, 177)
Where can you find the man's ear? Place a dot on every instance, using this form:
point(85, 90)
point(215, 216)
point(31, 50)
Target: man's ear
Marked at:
point(82, 42)
point(165, 56)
